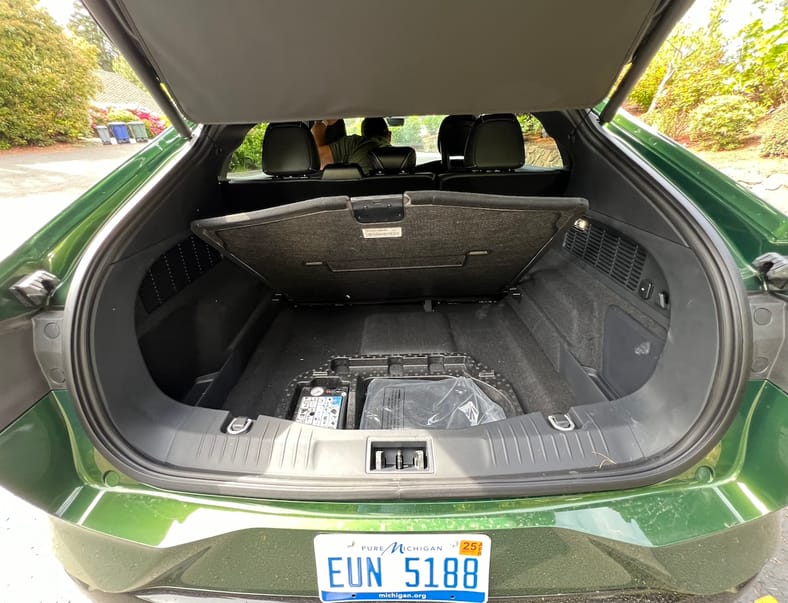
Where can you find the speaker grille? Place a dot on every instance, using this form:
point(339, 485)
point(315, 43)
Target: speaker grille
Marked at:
point(174, 269)
point(608, 251)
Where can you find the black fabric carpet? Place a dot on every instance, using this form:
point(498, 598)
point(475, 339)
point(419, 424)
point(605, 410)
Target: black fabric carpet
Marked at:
point(301, 339)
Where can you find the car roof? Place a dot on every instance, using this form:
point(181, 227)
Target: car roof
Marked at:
point(249, 61)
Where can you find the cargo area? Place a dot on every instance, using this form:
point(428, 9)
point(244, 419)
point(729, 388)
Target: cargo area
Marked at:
point(567, 370)
point(407, 342)
point(565, 336)
point(482, 332)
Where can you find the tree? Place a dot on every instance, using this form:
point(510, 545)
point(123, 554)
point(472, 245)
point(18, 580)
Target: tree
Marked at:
point(408, 134)
point(762, 59)
point(46, 81)
point(697, 63)
point(82, 24)
point(693, 67)
point(121, 66)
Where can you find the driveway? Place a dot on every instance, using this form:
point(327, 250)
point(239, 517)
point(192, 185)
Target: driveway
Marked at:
point(34, 186)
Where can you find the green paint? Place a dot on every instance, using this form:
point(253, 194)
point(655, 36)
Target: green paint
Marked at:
point(111, 479)
point(128, 535)
point(704, 474)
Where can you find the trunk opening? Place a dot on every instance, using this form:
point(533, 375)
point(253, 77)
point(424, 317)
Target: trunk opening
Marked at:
point(601, 362)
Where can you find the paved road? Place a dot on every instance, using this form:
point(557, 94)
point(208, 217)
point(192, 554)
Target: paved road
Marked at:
point(35, 186)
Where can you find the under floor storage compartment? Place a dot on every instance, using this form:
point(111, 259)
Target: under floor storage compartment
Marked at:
point(434, 391)
point(486, 342)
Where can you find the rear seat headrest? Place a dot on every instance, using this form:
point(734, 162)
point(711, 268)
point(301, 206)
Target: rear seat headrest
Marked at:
point(289, 150)
point(392, 160)
point(342, 171)
point(495, 143)
point(453, 135)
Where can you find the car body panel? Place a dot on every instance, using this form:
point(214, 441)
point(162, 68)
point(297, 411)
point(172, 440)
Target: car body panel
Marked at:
point(749, 225)
point(117, 535)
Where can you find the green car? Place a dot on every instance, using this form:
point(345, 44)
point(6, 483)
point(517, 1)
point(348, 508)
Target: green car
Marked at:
point(462, 379)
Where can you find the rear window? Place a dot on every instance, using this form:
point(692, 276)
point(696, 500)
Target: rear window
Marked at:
point(247, 159)
point(540, 149)
point(419, 132)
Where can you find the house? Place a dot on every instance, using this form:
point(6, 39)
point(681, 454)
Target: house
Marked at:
point(116, 91)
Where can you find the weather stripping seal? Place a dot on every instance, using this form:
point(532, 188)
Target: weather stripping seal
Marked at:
point(735, 321)
point(75, 338)
point(92, 270)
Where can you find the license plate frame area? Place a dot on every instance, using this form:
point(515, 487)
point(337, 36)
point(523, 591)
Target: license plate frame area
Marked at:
point(445, 568)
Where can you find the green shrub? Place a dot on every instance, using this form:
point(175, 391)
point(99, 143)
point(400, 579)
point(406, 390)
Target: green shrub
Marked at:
point(530, 125)
point(123, 115)
point(249, 154)
point(689, 67)
point(722, 122)
point(774, 142)
point(671, 121)
point(121, 66)
point(408, 134)
point(646, 88)
point(46, 80)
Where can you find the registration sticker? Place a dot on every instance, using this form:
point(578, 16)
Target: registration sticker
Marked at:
point(471, 547)
point(451, 568)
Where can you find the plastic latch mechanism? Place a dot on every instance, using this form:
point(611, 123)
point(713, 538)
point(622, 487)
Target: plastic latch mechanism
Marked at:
point(382, 208)
point(561, 422)
point(238, 425)
point(773, 268)
point(34, 289)
point(398, 456)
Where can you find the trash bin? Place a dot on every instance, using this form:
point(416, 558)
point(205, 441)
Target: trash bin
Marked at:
point(103, 133)
point(120, 131)
point(138, 131)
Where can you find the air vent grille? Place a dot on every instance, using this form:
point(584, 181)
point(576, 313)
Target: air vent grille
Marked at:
point(174, 269)
point(608, 251)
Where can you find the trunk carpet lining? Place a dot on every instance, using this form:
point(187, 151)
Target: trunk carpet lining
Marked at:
point(301, 339)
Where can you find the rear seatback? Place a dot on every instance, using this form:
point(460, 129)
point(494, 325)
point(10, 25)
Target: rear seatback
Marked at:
point(393, 160)
point(452, 137)
point(420, 245)
point(494, 153)
point(290, 157)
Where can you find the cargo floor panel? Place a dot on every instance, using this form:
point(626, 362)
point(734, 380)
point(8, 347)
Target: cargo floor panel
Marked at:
point(431, 391)
point(303, 339)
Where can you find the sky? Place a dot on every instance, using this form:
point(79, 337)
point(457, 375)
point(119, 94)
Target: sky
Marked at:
point(59, 9)
point(739, 12)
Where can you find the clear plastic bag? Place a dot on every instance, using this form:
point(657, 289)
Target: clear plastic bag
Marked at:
point(444, 403)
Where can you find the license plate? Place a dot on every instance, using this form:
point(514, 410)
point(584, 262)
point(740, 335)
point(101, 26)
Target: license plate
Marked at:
point(403, 567)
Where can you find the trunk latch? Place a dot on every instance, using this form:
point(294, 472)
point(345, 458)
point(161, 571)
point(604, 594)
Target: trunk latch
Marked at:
point(34, 289)
point(398, 456)
point(773, 268)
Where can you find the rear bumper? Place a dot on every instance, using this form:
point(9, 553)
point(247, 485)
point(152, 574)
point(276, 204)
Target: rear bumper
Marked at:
point(703, 532)
point(273, 564)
